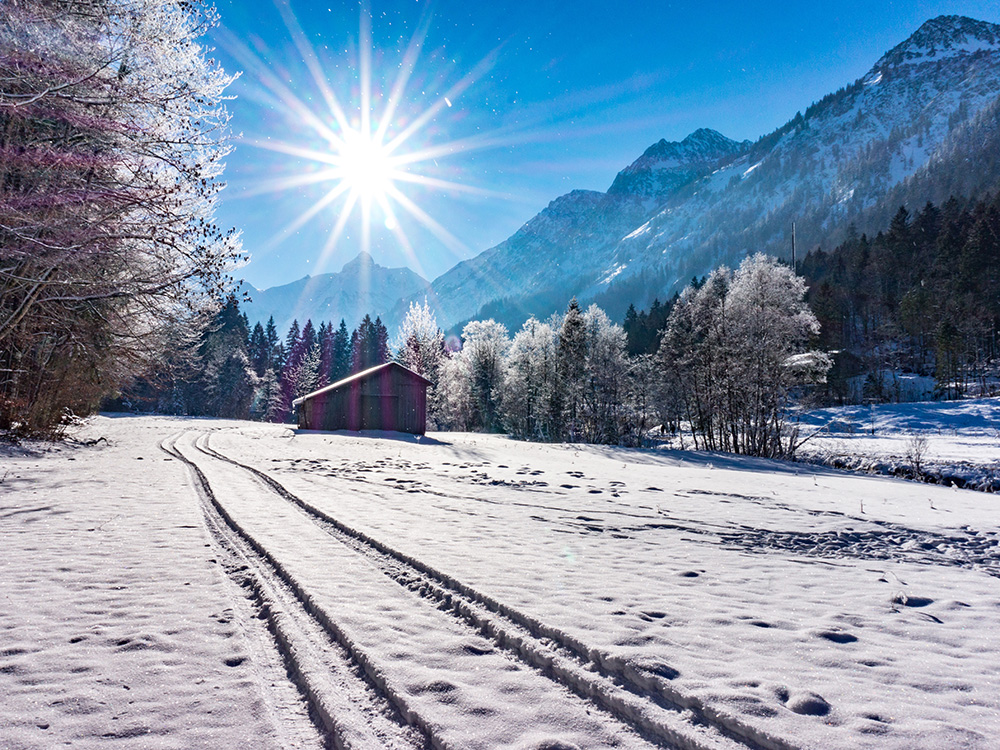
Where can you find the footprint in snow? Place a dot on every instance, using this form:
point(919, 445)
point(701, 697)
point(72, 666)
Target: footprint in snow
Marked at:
point(809, 704)
point(912, 601)
point(837, 636)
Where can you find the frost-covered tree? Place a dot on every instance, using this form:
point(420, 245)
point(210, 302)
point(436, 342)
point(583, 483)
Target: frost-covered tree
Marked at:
point(530, 400)
point(419, 342)
point(454, 394)
point(605, 387)
point(419, 345)
point(484, 344)
point(113, 134)
point(735, 350)
point(307, 375)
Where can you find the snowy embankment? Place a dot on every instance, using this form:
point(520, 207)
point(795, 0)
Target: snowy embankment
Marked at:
point(470, 591)
point(955, 443)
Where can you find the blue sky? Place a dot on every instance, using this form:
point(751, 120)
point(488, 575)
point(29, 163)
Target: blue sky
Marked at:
point(542, 98)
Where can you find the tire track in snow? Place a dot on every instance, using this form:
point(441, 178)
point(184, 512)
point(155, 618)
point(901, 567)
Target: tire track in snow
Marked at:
point(357, 717)
point(633, 693)
point(586, 722)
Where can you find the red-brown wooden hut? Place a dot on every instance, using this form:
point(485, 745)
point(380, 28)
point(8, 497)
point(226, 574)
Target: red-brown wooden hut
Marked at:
point(386, 397)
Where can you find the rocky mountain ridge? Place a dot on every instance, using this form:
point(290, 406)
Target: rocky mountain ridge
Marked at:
point(362, 287)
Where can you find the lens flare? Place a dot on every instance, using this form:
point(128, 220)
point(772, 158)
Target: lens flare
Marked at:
point(363, 148)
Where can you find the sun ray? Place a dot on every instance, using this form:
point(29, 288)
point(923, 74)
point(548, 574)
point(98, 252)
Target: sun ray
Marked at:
point(338, 229)
point(448, 185)
point(368, 154)
point(281, 184)
point(406, 70)
point(365, 66)
point(424, 218)
point(303, 218)
point(445, 101)
point(276, 87)
point(312, 63)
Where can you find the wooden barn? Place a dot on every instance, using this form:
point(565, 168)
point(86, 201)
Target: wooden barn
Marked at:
point(386, 397)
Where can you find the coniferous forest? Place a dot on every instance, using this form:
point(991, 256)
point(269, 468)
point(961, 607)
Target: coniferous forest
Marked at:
point(919, 298)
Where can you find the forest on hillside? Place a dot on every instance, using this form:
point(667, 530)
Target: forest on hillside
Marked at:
point(921, 297)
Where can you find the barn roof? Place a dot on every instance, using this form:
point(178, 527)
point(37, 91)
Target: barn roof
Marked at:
point(363, 375)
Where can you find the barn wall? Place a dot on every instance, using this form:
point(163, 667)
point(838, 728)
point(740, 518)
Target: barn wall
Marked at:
point(390, 399)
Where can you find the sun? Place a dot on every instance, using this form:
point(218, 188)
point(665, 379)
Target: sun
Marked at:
point(358, 148)
point(366, 166)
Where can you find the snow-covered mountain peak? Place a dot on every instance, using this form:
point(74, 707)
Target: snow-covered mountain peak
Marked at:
point(667, 165)
point(361, 261)
point(942, 37)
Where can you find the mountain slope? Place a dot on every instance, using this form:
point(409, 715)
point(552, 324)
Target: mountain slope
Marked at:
point(362, 287)
point(683, 208)
point(577, 232)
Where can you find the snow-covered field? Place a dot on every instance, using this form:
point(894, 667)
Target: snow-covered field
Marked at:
point(199, 583)
point(960, 439)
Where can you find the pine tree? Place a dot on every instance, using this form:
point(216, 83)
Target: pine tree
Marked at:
point(325, 339)
point(224, 381)
point(571, 369)
point(342, 353)
point(258, 350)
point(369, 344)
point(275, 358)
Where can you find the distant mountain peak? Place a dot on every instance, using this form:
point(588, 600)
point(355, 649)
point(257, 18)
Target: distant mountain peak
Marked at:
point(666, 165)
point(941, 37)
point(701, 144)
point(361, 260)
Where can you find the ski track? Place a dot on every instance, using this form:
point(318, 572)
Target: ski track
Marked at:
point(358, 716)
point(632, 701)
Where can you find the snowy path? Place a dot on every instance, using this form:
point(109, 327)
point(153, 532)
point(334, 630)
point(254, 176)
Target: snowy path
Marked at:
point(118, 626)
point(466, 669)
point(296, 589)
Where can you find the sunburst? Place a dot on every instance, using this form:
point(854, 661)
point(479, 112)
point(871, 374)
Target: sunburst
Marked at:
point(362, 158)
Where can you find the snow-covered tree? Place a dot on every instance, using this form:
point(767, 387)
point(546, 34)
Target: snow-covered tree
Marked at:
point(605, 388)
point(484, 344)
point(419, 345)
point(113, 131)
point(530, 404)
point(419, 342)
point(735, 349)
point(307, 375)
point(454, 394)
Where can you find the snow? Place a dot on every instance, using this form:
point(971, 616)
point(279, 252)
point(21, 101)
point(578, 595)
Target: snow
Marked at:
point(475, 589)
point(962, 439)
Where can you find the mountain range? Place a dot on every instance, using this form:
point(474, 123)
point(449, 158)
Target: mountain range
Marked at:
point(361, 288)
point(920, 125)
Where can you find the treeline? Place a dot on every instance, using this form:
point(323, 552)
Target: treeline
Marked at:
point(732, 354)
point(236, 372)
point(920, 297)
